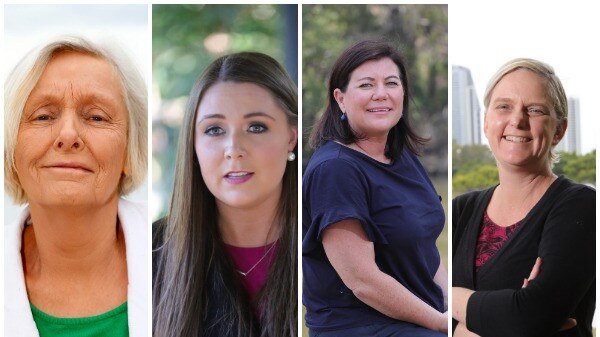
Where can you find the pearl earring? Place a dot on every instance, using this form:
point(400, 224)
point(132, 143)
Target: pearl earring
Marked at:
point(291, 156)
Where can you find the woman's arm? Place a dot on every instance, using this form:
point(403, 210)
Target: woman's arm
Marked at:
point(567, 249)
point(462, 331)
point(352, 256)
point(441, 279)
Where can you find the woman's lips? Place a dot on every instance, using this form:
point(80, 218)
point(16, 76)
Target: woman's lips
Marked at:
point(69, 167)
point(517, 139)
point(236, 178)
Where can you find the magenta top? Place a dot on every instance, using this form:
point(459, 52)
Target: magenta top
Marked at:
point(255, 263)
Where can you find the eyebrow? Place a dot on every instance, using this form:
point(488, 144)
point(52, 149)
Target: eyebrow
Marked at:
point(509, 100)
point(372, 79)
point(246, 116)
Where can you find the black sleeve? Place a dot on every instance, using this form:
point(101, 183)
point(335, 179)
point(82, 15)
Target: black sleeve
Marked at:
point(567, 249)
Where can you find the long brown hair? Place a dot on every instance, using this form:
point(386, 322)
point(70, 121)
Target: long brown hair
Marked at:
point(331, 127)
point(193, 275)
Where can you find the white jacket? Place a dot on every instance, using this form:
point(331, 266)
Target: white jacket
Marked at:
point(18, 320)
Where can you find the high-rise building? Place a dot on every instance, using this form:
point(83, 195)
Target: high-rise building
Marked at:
point(466, 119)
point(571, 142)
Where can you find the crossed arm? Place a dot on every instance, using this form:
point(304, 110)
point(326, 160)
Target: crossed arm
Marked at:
point(352, 256)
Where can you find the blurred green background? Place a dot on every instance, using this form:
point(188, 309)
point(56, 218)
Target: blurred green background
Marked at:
point(474, 168)
point(185, 40)
point(420, 32)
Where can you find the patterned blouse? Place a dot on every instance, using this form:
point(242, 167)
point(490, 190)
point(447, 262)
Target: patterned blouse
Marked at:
point(490, 240)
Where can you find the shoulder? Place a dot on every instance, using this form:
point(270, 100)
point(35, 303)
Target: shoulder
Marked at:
point(573, 199)
point(469, 199)
point(332, 158)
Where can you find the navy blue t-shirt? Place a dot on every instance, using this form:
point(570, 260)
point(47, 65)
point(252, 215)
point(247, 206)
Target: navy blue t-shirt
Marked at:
point(401, 214)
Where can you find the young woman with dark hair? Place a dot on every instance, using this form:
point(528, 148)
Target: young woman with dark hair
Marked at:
point(225, 255)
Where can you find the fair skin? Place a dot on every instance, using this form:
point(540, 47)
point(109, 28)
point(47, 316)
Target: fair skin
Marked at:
point(242, 143)
point(373, 103)
point(352, 256)
point(521, 127)
point(70, 156)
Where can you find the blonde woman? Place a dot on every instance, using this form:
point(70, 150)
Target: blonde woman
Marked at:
point(75, 143)
point(524, 250)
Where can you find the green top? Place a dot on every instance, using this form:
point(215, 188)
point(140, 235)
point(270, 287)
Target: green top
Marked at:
point(112, 323)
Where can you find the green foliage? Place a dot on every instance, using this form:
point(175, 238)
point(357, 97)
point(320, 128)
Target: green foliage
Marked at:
point(479, 177)
point(464, 158)
point(421, 34)
point(474, 168)
point(578, 168)
point(180, 33)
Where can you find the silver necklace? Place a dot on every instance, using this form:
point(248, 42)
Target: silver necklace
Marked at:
point(244, 274)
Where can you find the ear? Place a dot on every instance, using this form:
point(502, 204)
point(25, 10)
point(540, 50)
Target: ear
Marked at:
point(485, 125)
point(339, 97)
point(561, 128)
point(293, 138)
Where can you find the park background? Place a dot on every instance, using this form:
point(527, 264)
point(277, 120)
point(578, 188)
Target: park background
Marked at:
point(420, 32)
point(185, 40)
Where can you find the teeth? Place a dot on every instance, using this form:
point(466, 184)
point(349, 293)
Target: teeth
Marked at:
point(238, 174)
point(379, 110)
point(516, 139)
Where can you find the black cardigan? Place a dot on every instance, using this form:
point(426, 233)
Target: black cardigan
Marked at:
point(560, 229)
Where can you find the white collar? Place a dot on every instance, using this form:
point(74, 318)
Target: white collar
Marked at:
point(133, 216)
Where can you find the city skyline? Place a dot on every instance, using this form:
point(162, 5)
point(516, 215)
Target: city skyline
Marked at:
point(484, 50)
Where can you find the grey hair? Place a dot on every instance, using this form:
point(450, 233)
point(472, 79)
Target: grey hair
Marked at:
point(554, 88)
point(25, 75)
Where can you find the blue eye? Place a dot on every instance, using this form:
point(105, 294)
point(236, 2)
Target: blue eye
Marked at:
point(257, 128)
point(214, 131)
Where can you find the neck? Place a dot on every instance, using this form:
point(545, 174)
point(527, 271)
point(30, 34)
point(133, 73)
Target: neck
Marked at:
point(374, 147)
point(523, 188)
point(249, 226)
point(73, 241)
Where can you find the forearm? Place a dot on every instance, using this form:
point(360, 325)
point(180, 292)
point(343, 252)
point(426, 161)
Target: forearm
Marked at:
point(441, 279)
point(386, 295)
point(462, 331)
point(460, 299)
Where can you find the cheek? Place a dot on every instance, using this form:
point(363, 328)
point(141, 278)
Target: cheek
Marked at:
point(31, 146)
point(207, 154)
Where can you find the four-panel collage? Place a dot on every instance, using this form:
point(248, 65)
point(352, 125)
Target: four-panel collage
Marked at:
point(301, 170)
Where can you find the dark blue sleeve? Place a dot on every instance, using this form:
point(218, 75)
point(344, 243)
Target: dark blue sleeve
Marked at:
point(338, 190)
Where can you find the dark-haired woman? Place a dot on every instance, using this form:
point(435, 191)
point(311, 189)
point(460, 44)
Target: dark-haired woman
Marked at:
point(225, 256)
point(370, 213)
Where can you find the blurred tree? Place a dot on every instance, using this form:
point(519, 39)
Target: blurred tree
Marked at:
point(464, 158)
point(474, 168)
point(420, 32)
point(185, 39)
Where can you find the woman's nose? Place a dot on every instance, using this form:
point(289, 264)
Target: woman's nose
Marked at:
point(380, 93)
point(518, 118)
point(69, 133)
point(235, 148)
